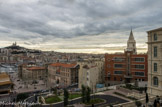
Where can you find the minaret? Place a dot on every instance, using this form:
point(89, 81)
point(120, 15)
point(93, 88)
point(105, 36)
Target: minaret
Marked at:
point(131, 43)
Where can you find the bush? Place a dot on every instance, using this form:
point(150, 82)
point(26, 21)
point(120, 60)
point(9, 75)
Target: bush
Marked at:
point(138, 103)
point(22, 96)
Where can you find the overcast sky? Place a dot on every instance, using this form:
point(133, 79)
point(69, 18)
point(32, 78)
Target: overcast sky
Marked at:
point(78, 25)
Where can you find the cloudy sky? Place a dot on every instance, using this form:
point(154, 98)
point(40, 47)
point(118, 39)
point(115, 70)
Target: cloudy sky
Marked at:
point(93, 26)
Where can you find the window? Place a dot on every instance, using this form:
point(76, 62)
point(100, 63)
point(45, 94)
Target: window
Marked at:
point(155, 37)
point(139, 73)
point(155, 67)
point(139, 66)
point(118, 59)
point(155, 51)
point(121, 79)
point(139, 59)
point(155, 79)
point(118, 65)
point(118, 72)
point(114, 78)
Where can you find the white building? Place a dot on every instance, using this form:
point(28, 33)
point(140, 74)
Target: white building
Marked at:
point(91, 72)
point(155, 61)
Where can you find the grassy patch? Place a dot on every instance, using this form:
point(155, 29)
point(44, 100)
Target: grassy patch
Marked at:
point(95, 101)
point(52, 99)
point(72, 96)
point(131, 98)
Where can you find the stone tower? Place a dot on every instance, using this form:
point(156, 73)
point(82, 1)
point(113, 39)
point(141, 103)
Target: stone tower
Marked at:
point(131, 43)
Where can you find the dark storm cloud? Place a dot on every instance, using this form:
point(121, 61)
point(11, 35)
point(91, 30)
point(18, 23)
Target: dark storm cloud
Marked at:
point(34, 19)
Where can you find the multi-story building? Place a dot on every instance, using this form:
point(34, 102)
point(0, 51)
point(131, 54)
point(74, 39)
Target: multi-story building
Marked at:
point(91, 72)
point(126, 67)
point(29, 72)
point(63, 74)
point(155, 61)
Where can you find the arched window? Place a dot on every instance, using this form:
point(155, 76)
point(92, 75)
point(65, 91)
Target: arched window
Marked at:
point(155, 79)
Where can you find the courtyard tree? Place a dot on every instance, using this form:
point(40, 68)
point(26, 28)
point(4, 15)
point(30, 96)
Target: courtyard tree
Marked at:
point(83, 94)
point(66, 97)
point(22, 96)
point(138, 103)
point(88, 93)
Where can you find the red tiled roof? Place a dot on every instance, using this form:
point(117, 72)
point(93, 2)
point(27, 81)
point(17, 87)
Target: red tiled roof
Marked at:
point(36, 68)
point(63, 65)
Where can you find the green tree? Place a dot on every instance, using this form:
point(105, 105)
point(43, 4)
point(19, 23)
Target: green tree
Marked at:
point(88, 93)
point(55, 91)
point(22, 96)
point(66, 96)
point(83, 94)
point(138, 103)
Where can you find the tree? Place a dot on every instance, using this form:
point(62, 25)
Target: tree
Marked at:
point(88, 93)
point(138, 103)
point(66, 96)
point(145, 89)
point(55, 91)
point(147, 98)
point(83, 93)
point(22, 96)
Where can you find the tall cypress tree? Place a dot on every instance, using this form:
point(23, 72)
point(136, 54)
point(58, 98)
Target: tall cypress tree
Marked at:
point(83, 94)
point(66, 96)
point(88, 93)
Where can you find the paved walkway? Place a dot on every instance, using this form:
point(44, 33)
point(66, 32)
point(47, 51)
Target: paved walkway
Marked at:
point(108, 98)
point(111, 92)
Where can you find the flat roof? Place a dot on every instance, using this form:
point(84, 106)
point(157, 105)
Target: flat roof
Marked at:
point(157, 29)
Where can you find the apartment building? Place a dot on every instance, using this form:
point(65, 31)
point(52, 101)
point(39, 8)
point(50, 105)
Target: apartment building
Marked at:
point(91, 72)
point(126, 67)
point(29, 72)
point(63, 74)
point(155, 61)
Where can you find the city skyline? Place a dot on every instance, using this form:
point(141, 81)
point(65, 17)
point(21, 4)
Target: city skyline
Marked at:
point(78, 26)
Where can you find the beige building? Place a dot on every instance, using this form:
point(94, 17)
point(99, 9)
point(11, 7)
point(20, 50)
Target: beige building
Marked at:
point(29, 72)
point(155, 61)
point(91, 72)
point(62, 74)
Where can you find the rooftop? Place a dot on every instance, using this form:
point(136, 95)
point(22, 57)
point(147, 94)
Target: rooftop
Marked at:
point(4, 79)
point(64, 65)
point(36, 68)
point(155, 29)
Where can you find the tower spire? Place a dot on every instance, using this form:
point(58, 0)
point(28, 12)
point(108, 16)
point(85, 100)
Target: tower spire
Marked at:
point(131, 43)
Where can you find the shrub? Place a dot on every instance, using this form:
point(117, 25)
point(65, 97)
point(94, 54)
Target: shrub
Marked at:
point(138, 103)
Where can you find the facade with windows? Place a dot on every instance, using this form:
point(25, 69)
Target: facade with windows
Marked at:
point(126, 67)
point(155, 61)
point(62, 74)
point(91, 72)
